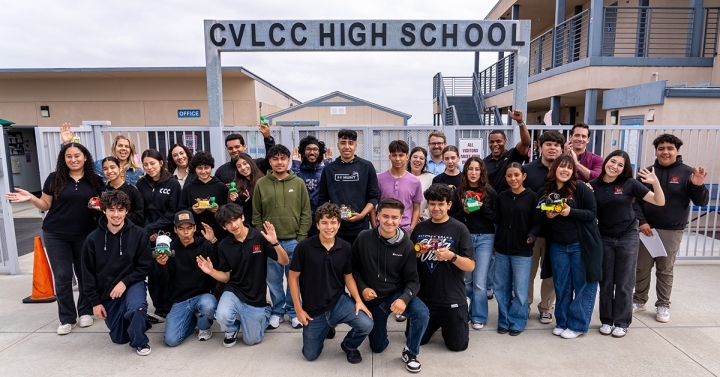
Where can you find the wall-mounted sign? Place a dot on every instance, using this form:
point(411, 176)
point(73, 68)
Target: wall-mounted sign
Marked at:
point(469, 148)
point(188, 113)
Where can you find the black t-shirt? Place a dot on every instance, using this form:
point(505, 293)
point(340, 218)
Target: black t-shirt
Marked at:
point(321, 273)
point(496, 168)
point(614, 204)
point(442, 283)
point(451, 180)
point(247, 263)
point(69, 212)
point(536, 175)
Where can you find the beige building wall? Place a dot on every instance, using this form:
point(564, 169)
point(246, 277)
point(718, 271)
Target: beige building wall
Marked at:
point(354, 115)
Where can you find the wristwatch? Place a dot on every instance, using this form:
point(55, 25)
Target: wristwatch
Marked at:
point(275, 244)
point(453, 259)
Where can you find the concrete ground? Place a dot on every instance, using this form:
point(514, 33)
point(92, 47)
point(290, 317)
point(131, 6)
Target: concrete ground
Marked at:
point(688, 345)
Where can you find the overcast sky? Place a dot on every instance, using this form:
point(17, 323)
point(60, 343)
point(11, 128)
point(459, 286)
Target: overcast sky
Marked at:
point(153, 33)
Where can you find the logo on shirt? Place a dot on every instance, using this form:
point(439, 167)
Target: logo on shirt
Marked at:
point(396, 255)
point(354, 177)
point(165, 191)
point(675, 179)
point(427, 244)
point(256, 249)
point(311, 184)
point(618, 190)
point(291, 190)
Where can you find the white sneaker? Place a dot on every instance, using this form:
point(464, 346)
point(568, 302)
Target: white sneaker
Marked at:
point(638, 307)
point(275, 321)
point(204, 335)
point(663, 314)
point(569, 334)
point(558, 330)
point(619, 332)
point(65, 329)
point(296, 323)
point(400, 318)
point(606, 329)
point(477, 325)
point(86, 321)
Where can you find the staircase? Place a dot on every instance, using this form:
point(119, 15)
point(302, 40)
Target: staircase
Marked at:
point(461, 102)
point(466, 111)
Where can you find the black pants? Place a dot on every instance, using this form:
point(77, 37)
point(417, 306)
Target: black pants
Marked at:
point(454, 324)
point(620, 257)
point(63, 252)
point(159, 291)
point(127, 316)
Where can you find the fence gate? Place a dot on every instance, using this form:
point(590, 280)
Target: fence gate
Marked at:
point(8, 245)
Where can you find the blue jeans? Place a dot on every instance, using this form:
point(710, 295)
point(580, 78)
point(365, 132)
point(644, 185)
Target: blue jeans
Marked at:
point(127, 316)
point(575, 298)
point(491, 270)
point(281, 299)
point(253, 319)
point(512, 276)
point(417, 315)
point(476, 281)
point(344, 312)
point(63, 252)
point(181, 320)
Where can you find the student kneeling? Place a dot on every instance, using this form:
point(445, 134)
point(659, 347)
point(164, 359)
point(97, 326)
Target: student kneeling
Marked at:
point(322, 266)
point(191, 290)
point(116, 259)
point(242, 266)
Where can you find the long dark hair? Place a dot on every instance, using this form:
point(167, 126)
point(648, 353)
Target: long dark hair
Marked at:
point(627, 169)
point(62, 172)
point(483, 182)
point(171, 165)
point(242, 183)
point(412, 152)
point(569, 186)
point(164, 174)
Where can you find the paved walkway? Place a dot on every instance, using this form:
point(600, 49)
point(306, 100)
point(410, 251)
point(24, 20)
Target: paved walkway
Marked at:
point(688, 345)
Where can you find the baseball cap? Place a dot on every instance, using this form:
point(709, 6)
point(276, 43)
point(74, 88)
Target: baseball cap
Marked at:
point(184, 217)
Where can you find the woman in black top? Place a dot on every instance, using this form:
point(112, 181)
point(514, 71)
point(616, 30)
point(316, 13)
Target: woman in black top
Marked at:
point(477, 204)
point(161, 196)
point(247, 174)
point(452, 175)
point(575, 248)
point(68, 221)
point(614, 191)
point(116, 181)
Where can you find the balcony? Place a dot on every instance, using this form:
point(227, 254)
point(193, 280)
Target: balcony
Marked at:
point(630, 36)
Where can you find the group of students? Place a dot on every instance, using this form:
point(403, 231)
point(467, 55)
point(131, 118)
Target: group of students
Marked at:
point(423, 241)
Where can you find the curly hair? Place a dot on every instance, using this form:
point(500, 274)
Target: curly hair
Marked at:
point(171, 165)
point(668, 138)
point(62, 171)
point(483, 182)
point(570, 186)
point(201, 158)
point(438, 192)
point(242, 183)
point(328, 210)
point(114, 198)
point(307, 140)
point(347, 134)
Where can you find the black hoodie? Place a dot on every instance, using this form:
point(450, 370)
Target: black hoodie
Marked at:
point(385, 267)
point(518, 219)
point(137, 207)
point(161, 203)
point(679, 191)
point(197, 189)
point(109, 258)
point(186, 279)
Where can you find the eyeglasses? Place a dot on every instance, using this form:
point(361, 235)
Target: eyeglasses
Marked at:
point(312, 149)
point(436, 144)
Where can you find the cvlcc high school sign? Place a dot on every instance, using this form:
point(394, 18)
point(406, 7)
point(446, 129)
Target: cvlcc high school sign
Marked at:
point(350, 35)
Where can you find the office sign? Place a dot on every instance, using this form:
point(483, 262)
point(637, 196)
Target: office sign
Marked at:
point(188, 113)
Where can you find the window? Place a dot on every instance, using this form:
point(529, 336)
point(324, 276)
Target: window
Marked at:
point(337, 110)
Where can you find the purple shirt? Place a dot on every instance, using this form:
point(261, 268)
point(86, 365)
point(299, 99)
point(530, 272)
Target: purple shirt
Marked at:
point(591, 161)
point(406, 189)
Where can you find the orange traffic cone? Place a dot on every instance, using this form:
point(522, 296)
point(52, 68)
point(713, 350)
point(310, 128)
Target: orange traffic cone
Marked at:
point(42, 290)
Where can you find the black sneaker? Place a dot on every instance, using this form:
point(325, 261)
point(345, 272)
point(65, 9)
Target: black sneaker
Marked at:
point(411, 362)
point(331, 333)
point(353, 357)
point(230, 339)
point(515, 332)
point(155, 318)
point(502, 330)
point(144, 350)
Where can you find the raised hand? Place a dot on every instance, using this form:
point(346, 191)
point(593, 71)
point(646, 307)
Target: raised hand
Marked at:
point(205, 264)
point(698, 176)
point(18, 196)
point(328, 152)
point(65, 134)
point(517, 116)
point(296, 155)
point(648, 176)
point(207, 232)
point(269, 232)
point(265, 130)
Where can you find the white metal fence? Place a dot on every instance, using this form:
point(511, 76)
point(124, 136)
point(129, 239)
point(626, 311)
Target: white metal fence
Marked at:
point(700, 149)
point(8, 245)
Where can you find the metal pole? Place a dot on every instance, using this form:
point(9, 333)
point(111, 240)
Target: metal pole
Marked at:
point(213, 71)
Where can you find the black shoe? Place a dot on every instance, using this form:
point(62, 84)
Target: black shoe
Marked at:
point(331, 333)
point(502, 330)
point(515, 332)
point(143, 350)
point(230, 339)
point(353, 357)
point(411, 362)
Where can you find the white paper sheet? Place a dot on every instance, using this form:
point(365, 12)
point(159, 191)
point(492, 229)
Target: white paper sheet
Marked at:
point(653, 244)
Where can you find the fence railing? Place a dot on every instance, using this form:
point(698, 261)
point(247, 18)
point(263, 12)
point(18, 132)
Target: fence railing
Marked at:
point(448, 115)
point(647, 31)
point(571, 39)
point(710, 39)
point(458, 86)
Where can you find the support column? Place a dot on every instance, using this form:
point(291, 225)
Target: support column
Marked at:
point(515, 12)
point(213, 72)
point(591, 105)
point(571, 114)
point(555, 109)
point(595, 28)
point(558, 34)
point(698, 28)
